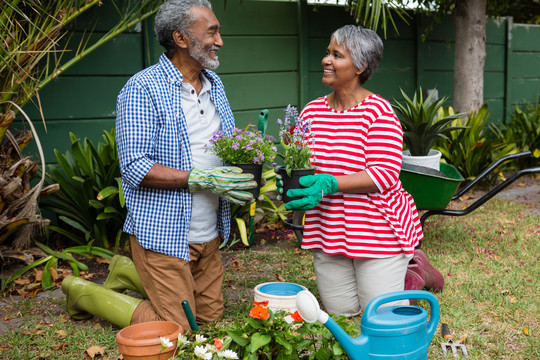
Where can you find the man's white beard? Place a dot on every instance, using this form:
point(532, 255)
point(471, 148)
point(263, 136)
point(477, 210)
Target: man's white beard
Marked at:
point(202, 55)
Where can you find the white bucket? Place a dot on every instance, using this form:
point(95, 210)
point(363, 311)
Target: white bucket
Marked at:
point(280, 295)
point(431, 160)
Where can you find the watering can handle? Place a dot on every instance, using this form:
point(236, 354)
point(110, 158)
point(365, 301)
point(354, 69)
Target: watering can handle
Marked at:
point(372, 307)
point(263, 121)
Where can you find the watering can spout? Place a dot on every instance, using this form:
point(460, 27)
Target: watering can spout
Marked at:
point(309, 309)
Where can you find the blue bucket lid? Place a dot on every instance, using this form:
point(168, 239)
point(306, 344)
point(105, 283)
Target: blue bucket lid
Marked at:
point(281, 289)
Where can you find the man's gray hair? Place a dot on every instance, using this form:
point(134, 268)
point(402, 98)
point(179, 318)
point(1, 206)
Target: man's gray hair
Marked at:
point(175, 15)
point(365, 46)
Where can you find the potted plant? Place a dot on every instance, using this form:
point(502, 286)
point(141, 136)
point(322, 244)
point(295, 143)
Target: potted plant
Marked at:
point(245, 148)
point(295, 137)
point(422, 126)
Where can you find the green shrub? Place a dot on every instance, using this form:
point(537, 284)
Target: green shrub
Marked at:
point(474, 148)
point(90, 203)
point(524, 132)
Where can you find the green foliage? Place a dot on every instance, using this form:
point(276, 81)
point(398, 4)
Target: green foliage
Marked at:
point(421, 125)
point(51, 261)
point(279, 335)
point(265, 206)
point(90, 203)
point(295, 136)
point(243, 146)
point(524, 132)
point(474, 148)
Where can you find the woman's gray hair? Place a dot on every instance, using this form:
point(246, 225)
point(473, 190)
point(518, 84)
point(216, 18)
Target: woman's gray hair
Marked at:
point(365, 46)
point(175, 15)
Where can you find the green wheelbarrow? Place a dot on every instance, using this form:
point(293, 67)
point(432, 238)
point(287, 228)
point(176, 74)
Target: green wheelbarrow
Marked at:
point(433, 190)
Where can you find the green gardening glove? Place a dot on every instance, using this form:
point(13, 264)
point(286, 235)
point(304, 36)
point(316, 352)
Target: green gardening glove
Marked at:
point(225, 181)
point(315, 188)
point(279, 184)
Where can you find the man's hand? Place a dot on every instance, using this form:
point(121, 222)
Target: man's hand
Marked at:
point(225, 181)
point(315, 188)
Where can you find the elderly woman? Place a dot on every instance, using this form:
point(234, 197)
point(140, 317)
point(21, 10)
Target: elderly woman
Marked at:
point(361, 225)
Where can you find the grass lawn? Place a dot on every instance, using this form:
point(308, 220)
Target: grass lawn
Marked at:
point(490, 259)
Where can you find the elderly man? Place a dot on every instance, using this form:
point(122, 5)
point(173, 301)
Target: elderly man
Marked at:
point(176, 193)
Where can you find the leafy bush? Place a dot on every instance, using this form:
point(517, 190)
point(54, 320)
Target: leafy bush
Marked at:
point(474, 148)
point(524, 132)
point(421, 125)
point(90, 203)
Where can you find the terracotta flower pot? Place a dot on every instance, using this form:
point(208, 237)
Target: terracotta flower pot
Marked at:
point(142, 341)
point(292, 182)
point(256, 170)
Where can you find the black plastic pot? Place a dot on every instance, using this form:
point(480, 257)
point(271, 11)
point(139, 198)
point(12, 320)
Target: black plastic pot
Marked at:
point(256, 170)
point(292, 182)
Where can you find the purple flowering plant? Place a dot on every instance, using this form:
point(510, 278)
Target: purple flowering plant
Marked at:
point(295, 139)
point(243, 146)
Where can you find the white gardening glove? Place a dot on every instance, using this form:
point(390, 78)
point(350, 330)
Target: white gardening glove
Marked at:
point(225, 181)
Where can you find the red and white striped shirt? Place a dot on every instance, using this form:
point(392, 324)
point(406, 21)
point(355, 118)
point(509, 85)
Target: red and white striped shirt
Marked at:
point(367, 138)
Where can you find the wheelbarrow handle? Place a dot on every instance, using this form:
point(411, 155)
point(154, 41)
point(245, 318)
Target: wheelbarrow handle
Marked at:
point(488, 170)
point(287, 223)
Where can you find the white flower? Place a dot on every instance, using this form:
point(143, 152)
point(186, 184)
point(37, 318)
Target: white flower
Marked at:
point(199, 339)
point(228, 354)
point(288, 319)
point(165, 342)
point(182, 339)
point(202, 353)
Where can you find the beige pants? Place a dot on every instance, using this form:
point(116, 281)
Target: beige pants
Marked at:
point(347, 285)
point(169, 280)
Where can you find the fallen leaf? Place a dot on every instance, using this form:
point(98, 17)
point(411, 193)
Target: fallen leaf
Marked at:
point(61, 333)
point(95, 350)
point(61, 346)
point(101, 260)
point(54, 274)
point(280, 278)
point(313, 278)
point(39, 275)
point(461, 339)
point(22, 281)
point(526, 330)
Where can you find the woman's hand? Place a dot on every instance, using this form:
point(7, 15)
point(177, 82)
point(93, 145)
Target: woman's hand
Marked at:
point(315, 188)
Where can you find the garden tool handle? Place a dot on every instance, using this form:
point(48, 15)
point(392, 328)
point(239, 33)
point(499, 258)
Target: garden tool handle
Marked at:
point(445, 332)
point(189, 315)
point(371, 309)
point(263, 121)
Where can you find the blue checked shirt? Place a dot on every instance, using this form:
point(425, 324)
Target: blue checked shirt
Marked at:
point(151, 128)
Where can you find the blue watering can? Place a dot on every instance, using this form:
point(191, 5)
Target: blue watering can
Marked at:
point(393, 332)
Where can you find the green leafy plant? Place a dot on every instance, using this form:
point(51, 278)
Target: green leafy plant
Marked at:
point(264, 206)
point(476, 146)
point(243, 146)
point(90, 203)
point(295, 137)
point(524, 132)
point(421, 125)
point(51, 261)
point(268, 334)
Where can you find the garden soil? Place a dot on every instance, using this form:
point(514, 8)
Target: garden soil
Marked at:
point(49, 304)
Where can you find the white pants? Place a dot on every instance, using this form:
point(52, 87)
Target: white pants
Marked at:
point(346, 285)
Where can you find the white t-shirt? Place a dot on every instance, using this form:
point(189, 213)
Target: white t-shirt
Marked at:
point(202, 121)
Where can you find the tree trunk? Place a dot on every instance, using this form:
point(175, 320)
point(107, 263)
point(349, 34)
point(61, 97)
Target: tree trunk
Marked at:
point(469, 54)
